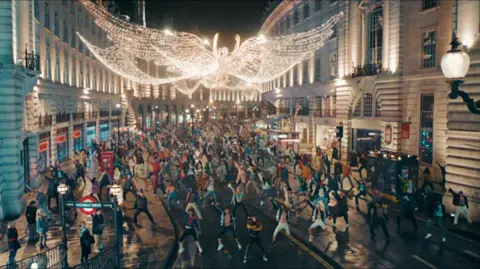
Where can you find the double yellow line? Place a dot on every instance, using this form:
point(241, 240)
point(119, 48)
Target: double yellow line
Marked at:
point(306, 249)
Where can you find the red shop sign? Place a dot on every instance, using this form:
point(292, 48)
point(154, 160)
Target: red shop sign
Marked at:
point(405, 134)
point(77, 134)
point(42, 146)
point(60, 138)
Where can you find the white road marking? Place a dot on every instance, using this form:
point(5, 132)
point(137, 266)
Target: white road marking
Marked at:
point(472, 254)
point(424, 262)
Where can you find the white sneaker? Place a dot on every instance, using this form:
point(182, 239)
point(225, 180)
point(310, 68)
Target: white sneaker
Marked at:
point(265, 259)
point(181, 250)
point(444, 239)
point(220, 246)
point(239, 246)
point(348, 225)
point(200, 249)
point(428, 236)
point(245, 260)
point(261, 203)
point(310, 238)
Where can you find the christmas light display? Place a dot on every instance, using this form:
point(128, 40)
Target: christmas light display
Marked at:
point(183, 57)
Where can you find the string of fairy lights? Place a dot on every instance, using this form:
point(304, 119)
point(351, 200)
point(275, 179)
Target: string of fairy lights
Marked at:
point(184, 58)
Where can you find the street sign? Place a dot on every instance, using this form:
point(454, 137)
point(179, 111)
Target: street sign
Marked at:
point(88, 205)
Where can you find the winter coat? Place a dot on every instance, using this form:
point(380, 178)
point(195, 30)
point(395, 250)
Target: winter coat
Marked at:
point(97, 224)
point(86, 242)
point(30, 214)
point(42, 225)
point(456, 198)
point(12, 236)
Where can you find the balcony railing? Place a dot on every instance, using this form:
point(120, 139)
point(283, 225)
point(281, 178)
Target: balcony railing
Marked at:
point(62, 117)
point(44, 121)
point(91, 115)
point(31, 61)
point(78, 116)
point(51, 258)
point(104, 113)
point(327, 113)
point(317, 112)
point(366, 70)
point(284, 110)
point(116, 113)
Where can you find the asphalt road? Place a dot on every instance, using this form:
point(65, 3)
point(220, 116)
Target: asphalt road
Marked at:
point(283, 255)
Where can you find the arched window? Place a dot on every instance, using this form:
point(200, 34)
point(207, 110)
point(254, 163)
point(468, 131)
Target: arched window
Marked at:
point(367, 105)
point(357, 112)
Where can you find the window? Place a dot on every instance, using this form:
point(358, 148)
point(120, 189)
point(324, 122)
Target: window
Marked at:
point(65, 67)
point(318, 5)
point(334, 34)
point(295, 74)
point(36, 9)
point(74, 42)
point(296, 19)
point(378, 110)
point(106, 84)
point(48, 73)
point(57, 65)
point(79, 17)
point(112, 88)
point(64, 3)
point(287, 19)
point(87, 22)
point(429, 40)
point(94, 79)
point(367, 106)
point(332, 1)
point(428, 4)
point(305, 72)
point(74, 72)
point(94, 29)
point(375, 35)
point(426, 129)
point(101, 81)
point(306, 10)
point(333, 65)
point(318, 75)
point(47, 16)
point(80, 79)
point(357, 111)
point(57, 25)
point(65, 32)
point(88, 78)
point(80, 47)
point(72, 10)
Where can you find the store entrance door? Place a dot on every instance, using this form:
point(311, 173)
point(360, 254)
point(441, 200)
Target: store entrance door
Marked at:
point(304, 135)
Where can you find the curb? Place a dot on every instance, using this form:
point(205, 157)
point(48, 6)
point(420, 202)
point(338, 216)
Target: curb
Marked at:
point(171, 256)
point(314, 249)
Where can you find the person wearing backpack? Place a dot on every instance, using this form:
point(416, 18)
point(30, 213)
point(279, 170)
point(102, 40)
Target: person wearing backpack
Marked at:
point(86, 242)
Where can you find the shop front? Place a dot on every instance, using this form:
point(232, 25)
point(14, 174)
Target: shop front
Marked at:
point(62, 144)
point(325, 133)
point(302, 128)
point(366, 135)
point(77, 138)
point(91, 133)
point(104, 130)
point(43, 152)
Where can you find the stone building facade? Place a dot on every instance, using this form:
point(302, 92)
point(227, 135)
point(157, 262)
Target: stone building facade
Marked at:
point(380, 73)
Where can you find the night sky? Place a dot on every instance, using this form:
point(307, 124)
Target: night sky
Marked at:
point(206, 17)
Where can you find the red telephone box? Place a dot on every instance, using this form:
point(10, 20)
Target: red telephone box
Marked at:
point(106, 162)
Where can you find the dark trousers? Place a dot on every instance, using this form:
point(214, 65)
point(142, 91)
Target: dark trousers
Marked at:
point(362, 193)
point(56, 200)
point(345, 217)
point(82, 175)
point(261, 158)
point(138, 211)
point(408, 215)
point(237, 205)
point(84, 257)
point(360, 170)
point(188, 232)
point(224, 230)
point(383, 223)
point(251, 241)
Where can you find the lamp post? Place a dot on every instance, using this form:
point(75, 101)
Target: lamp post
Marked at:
point(62, 190)
point(455, 64)
point(118, 123)
point(116, 194)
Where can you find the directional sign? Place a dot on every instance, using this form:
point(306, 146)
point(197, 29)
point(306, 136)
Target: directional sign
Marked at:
point(88, 205)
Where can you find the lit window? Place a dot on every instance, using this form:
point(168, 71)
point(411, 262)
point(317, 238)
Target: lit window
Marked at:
point(375, 36)
point(367, 105)
point(333, 65)
point(318, 74)
point(428, 4)
point(48, 73)
point(88, 77)
point(80, 84)
point(378, 112)
point(74, 72)
point(429, 40)
point(426, 129)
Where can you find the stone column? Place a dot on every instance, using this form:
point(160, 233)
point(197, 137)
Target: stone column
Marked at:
point(347, 139)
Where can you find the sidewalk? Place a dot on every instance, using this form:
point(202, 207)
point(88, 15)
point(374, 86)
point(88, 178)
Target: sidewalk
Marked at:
point(140, 245)
point(352, 247)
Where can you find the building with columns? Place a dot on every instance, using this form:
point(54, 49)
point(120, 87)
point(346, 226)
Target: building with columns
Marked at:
point(379, 76)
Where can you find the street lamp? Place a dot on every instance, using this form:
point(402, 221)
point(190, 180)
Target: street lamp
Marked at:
point(118, 124)
point(455, 64)
point(116, 195)
point(62, 190)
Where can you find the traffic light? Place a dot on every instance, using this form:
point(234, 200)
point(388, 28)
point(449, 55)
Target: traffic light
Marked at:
point(339, 131)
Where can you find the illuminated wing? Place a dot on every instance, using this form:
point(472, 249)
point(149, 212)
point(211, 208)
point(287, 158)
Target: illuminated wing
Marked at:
point(179, 51)
point(261, 59)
